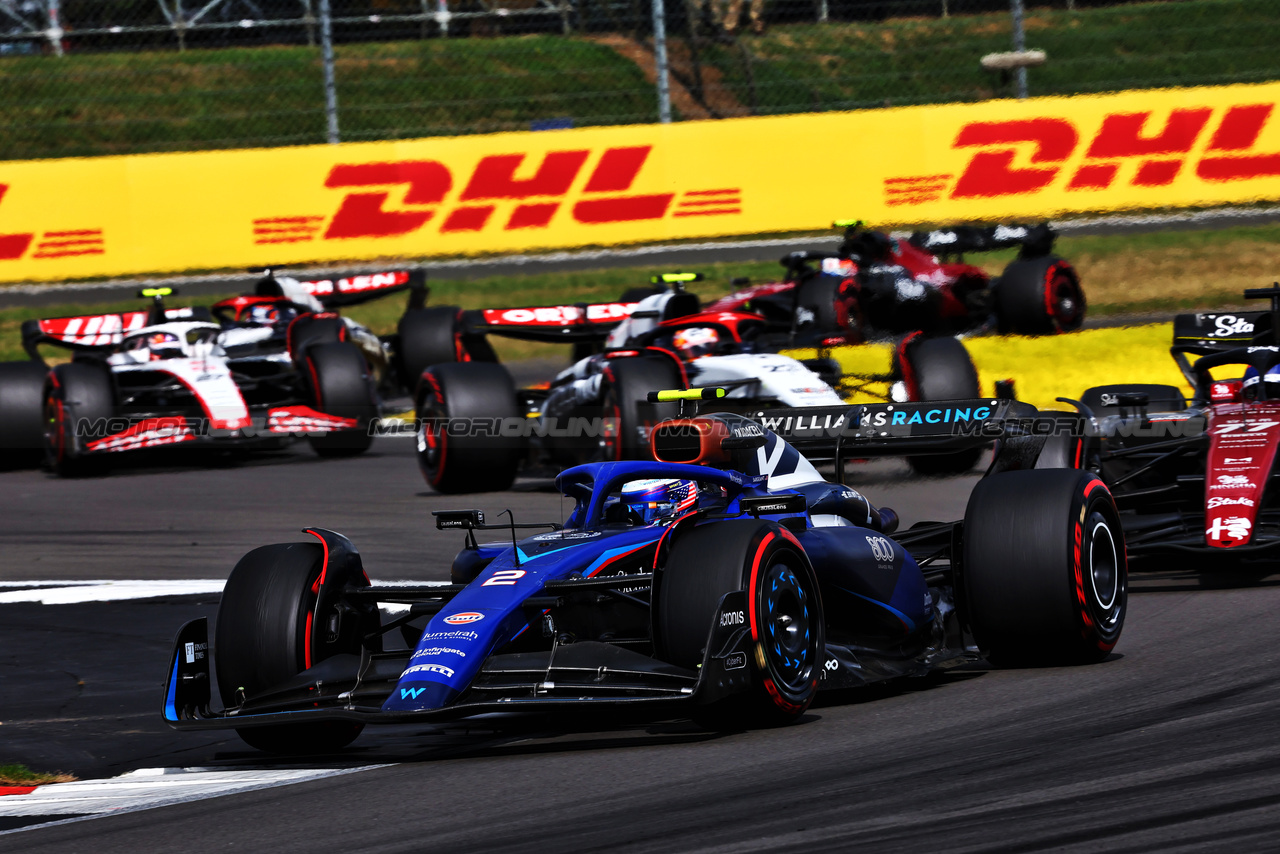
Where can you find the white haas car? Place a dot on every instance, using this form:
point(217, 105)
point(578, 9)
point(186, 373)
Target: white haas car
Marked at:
point(597, 409)
point(163, 377)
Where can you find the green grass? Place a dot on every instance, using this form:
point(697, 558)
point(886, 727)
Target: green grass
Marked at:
point(932, 60)
point(1159, 272)
point(116, 103)
point(21, 775)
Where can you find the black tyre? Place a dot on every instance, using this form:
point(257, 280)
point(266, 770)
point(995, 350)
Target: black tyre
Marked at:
point(21, 413)
point(428, 336)
point(784, 614)
point(1039, 296)
point(1044, 573)
point(308, 330)
point(940, 369)
point(340, 384)
point(1101, 400)
point(628, 415)
point(455, 453)
point(76, 396)
point(818, 294)
point(261, 639)
point(637, 294)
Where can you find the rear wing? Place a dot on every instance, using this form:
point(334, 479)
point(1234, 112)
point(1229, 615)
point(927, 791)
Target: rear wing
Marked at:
point(89, 332)
point(1205, 333)
point(1033, 241)
point(580, 322)
point(896, 429)
point(353, 290)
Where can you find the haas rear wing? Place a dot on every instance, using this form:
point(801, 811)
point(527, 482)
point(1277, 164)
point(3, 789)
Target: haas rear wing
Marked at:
point(94, 331)
point(554, 323)
point(1033, 241)
point(353, 290)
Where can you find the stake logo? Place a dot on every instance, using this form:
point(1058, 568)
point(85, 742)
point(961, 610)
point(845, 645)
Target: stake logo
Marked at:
point(1025, 156)
point(51, 244)
point(504, 192)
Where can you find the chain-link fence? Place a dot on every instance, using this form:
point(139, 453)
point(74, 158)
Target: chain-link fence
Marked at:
point(88, 77)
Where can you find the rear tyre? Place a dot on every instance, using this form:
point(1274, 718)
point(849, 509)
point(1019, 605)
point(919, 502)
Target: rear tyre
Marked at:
point(818, 295)
point(428, 336)
point(77, 395)
point(1039, 296)
point(1044, 573)
point(341, 385)
point(784, 615)
point(940, 369)
point(261, 639)
point(21, 413)
point(456, 455)
point(628, 415)
point(1160, 398)
point(308, 330)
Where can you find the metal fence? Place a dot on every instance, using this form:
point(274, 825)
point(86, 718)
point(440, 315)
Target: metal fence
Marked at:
point(89, 77)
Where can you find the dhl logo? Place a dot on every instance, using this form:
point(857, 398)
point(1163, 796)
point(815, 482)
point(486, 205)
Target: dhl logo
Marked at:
point(399, 198)
point(1159, 149)
point(51, 244)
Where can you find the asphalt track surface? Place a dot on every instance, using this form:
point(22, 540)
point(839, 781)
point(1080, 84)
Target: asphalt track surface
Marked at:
point(1170, 745)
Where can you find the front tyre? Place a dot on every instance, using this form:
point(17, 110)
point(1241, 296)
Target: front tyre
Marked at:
point(79, 397)
point(1044, 575)
point(784, 616)
point(268, 631)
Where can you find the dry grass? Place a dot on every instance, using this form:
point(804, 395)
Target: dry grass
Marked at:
point(21, 775)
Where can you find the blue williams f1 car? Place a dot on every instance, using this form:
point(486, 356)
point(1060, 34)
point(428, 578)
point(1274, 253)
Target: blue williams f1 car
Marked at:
point(726, 581)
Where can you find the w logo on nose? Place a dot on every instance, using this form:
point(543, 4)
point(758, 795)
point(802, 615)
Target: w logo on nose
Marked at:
point(410, 693)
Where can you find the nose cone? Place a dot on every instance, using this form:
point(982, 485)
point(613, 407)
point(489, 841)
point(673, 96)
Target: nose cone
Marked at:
point(418, 696)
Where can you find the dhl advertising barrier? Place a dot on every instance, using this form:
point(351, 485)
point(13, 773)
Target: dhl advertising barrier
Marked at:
point(63, 219)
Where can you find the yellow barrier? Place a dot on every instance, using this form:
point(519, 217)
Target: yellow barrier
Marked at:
point(604, 186)
point(1052, 366)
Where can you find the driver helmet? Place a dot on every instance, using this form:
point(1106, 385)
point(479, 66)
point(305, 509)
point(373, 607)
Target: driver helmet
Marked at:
point(268, 314)
point(1253, 381)
point(164, 345)
point(696, 341)
point(655, 499)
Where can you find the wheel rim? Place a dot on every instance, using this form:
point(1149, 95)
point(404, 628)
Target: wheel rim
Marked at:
point(789, 638)
point(431, 434)
point(55, 427)
point(1105, 576)
point(1066, 302)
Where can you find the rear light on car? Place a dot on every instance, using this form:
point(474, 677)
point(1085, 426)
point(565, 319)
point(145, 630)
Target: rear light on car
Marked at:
point(1227, 391)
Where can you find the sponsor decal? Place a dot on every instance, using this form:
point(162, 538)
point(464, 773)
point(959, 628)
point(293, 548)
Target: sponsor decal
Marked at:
point(464, 617)
point(1233, 481)
point(567, 535)
point(1224, 502)
point(355, 284)
point(304, 419)
point(151, 433)
point(831, 665)
point(956, 415)
point(438, 650)
point(881, 549)
point(428, 668)
point(1233, 527)
point(194, 652)
point(732, 618)
point(449, 636)
point(410, 693)
point(737, 661)
point(1237, 461)
point(558, 315)
point(1227, 325)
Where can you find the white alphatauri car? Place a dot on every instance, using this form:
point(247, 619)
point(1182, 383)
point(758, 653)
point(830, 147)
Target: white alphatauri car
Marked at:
point(597, 409)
